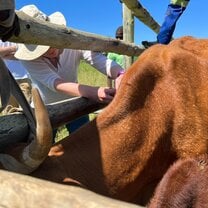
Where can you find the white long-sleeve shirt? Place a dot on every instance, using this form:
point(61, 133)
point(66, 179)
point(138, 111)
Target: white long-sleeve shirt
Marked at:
point(44, 74)
point(15, 66)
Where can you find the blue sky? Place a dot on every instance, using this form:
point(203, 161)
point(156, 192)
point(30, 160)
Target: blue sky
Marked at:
point(104, 16)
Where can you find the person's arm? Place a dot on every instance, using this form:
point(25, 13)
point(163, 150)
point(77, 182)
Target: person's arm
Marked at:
point(103, 64)
point(41, 71)
point(99, 94)
point(7, 50)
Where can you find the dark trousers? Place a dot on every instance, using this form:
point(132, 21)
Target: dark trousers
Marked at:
point(74, 125)
point(166, 31)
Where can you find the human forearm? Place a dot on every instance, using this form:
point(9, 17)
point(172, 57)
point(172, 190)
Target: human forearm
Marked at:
point(74, 89)
point(103, 64)
point(99, 94)
point(7, 52)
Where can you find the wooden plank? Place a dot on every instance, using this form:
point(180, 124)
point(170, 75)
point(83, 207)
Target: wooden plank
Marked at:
point(14, 128)
point(33, 31)
point(128, 33)
point(25, 191)
point(65, 111)
point(142, 14)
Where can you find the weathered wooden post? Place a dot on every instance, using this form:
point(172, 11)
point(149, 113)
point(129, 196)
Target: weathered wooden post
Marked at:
point(142, 14)
point(128, 32)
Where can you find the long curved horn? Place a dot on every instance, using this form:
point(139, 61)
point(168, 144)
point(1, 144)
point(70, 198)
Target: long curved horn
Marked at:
point(33, 154)
point(38, 149)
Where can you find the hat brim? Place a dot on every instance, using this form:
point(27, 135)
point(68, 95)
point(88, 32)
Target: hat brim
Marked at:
point(30, 52)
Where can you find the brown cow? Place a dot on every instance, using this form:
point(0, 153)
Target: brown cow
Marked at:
point(159, 114)
point(184, 185)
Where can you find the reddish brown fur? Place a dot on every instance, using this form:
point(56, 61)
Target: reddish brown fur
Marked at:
point(184, 185)
point(159, 114)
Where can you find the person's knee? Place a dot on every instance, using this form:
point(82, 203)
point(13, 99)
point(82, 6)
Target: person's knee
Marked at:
point(77, 123)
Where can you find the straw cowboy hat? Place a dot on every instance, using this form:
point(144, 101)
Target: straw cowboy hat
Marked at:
point(30, 52)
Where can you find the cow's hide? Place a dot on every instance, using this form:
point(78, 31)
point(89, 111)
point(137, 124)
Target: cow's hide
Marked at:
point(158, 115)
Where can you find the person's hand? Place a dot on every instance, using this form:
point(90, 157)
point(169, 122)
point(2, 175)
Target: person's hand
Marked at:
point(97, 94)
point(7, 52)
point(8, 32)
point(105, 94)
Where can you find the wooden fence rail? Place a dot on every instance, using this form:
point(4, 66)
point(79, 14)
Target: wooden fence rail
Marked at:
point(25, 191)
point(33, 31)
point(14, 128)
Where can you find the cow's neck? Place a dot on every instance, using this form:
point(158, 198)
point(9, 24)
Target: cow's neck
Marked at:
point(105, 154)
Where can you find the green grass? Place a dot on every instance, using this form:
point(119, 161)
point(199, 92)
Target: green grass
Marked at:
point(90, 76)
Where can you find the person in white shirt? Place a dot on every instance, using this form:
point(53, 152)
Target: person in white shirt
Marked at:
point(54, 71)
point(7, 50)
